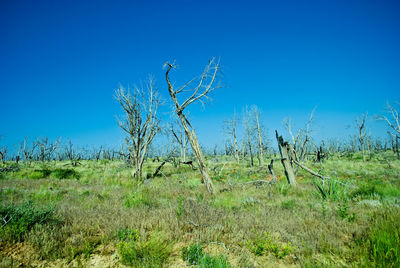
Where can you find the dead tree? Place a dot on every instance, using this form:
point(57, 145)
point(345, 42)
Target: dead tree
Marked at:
point(198, 89)
point(361, 131)
point(141, 122)
point(231, 129)
point(394, 125)
point(249, 131)
point(46, 148)
point(72, 154)
point(258, 127)
point(28, 151)
point(287, 157)
point(301, 140)
point(3, 154)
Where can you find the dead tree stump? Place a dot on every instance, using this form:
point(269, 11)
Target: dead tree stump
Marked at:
point(286, 154)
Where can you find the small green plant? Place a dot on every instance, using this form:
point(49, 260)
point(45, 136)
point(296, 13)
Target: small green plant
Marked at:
point(208, 261)
point(194, 255)
point(283, 188)
point(343, 212)
point(331, 189)
point(17, 220)
point(290, 204)
point(63, 174)
point(137, 252)
point(267, 244)
point(127, 234)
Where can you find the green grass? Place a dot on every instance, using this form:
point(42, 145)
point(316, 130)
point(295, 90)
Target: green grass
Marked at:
point(76, 214)
point(17, 220)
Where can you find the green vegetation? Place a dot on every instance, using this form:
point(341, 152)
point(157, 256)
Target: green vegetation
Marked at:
point(64, 215)
point(267, 244)
point(194, 255)
point(137, 252)
point(17, 220)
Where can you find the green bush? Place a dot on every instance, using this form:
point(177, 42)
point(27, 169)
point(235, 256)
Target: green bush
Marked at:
point(62, 174)
point(194, 255)
point(153, 252)
point(267, 244)
point(20, 219)
point(39, 174)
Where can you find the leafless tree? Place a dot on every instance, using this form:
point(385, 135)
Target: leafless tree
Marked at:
point(255, 114)
point(72, 154)
point(3, 153)
point(249, 132)
point(198, 90)
point(393, 122)
point(27, 150)
point(301, 140)
point(230, 128)
point(361, 131)
point(141, 122)
point(46, 148)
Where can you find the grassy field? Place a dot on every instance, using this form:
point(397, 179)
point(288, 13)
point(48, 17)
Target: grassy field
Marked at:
point(97, 215)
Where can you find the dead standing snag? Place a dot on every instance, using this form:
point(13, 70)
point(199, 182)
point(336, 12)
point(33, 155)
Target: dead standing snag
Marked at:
point(141, 122)
point(205, 84)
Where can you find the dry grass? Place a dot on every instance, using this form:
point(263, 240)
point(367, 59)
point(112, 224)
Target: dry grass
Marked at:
point(106, 199)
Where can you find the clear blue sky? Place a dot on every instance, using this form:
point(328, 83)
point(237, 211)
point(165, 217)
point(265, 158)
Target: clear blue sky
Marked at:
point(60, 62)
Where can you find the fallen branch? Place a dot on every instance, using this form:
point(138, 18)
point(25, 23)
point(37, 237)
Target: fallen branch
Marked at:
point(259, 182)
point(310, 171)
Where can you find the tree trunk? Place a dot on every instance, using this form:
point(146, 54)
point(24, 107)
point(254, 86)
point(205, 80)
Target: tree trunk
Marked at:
point(286, 159)
point(260, 142)
point(191, 135)
point(236, 146)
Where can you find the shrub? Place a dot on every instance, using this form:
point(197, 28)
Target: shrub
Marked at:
point(20, 219)
point(267, 244)
point(62, 174)
point(39, 174)
point(153, 252)
point(194, 255)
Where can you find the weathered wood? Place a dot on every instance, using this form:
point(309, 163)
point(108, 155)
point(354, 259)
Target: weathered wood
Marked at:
point(286, 159)
point(159, 169)
point(271, 170)
point(197, 94)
